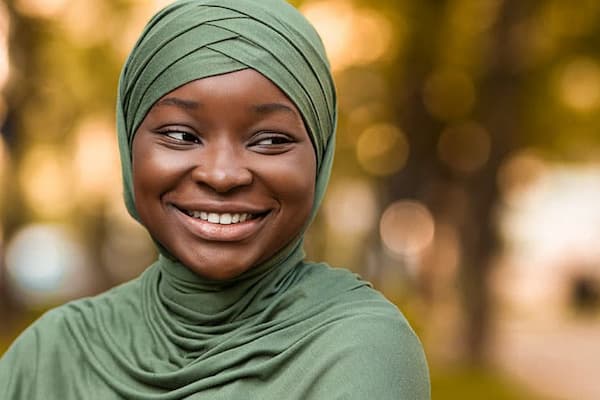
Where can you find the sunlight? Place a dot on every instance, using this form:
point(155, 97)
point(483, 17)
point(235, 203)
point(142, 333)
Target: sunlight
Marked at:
point(55, 271)
point(382, 149)
point(96, 159)
point(579, 84)
point(351, 207)
point(406, 228)
point(518, 173)
point(45, 182)
point(42, 8)
point(557, 220)
point(4, 55)
point(88, 22)
point(351, 35)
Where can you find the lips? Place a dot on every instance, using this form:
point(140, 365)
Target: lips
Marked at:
point(221, 226)
point(220, 218)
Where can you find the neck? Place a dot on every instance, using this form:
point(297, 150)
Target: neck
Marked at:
point(199, 300)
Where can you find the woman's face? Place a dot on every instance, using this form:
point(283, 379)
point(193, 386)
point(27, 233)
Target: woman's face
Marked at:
point(224, 173)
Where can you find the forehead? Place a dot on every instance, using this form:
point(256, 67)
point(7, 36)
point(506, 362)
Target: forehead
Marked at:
point(247, 85)
point(246, 90)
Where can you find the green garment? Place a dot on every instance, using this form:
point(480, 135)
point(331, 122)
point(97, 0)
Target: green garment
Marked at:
point(306, 332)
point(287, 329)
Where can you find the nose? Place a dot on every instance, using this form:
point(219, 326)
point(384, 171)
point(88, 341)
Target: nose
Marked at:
point(222, 168)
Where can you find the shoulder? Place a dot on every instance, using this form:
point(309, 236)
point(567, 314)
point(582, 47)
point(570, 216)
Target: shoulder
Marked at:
point(53, 328)
point(25, 361)
point(90, 310)
point(370, 345)
point(377, 354)
point(54, 342)
point(372, 334)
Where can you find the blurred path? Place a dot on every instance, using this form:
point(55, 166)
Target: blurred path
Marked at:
point(560, 360)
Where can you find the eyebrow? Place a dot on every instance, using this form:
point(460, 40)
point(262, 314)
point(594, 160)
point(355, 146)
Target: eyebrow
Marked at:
point(177, 102)
point(268, 108)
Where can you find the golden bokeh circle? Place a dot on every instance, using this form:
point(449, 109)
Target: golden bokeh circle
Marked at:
point(382, 149)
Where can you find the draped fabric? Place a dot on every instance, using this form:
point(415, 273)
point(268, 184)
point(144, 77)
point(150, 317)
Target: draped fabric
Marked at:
point(194, 39)
point(287, 329)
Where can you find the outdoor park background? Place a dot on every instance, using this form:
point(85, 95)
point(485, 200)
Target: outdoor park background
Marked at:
point(466, 184)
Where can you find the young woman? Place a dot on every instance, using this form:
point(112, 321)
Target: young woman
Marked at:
point(226, 123)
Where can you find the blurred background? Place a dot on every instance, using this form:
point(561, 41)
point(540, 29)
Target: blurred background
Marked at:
point(466, 185)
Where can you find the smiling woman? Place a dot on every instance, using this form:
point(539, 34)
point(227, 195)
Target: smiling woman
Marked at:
point(224, 173)
point(226, 122)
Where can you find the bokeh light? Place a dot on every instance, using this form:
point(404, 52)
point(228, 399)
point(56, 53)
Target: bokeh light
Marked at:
point(562, 19)
point(82, 18)
point(42, 8)
point(557, 218)
point(449, 94)
point(552, 231)
point(474, 17)
point(518, 173)
point(45, 179)
point(422, 66)
point(124, 259)
point(465, 147)
point(579, 84)
point(96, 159)
point(382, 149)
point(351, 207)
point(45, 264)
point(351, 35)
point(131, 23)
point(3, 163)
point(4, 56)
point(445, 260)
point(406, 228)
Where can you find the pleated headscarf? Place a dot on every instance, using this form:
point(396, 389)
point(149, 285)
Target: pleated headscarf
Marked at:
point(194, 39)
point(287, 329)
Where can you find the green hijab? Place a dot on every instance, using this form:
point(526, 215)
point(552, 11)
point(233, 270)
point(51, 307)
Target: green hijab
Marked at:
point(193, 39)
point(287, 329)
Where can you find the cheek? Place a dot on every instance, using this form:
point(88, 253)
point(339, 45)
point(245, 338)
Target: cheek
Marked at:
point(142, 170)
point(296, 186)
point(151, 175)
point(303, 192)
point(154, 170)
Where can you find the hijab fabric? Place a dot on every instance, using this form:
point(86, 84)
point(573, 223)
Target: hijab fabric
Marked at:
point(287, 329)
point(194, 39)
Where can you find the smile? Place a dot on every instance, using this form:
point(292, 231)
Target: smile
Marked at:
point(222, 226)
point(220, 218)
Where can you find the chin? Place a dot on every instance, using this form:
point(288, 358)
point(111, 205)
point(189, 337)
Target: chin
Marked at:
point(217, 270)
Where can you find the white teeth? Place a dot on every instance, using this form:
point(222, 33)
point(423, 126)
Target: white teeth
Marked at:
point(223, 219)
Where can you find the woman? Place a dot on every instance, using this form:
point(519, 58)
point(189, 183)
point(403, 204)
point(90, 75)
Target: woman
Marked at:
point(226, 121)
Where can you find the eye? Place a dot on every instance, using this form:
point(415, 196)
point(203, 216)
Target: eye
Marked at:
point(180, 136)
point(273, 140)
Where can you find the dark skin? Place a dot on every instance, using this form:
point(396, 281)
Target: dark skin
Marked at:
point(224, 173)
